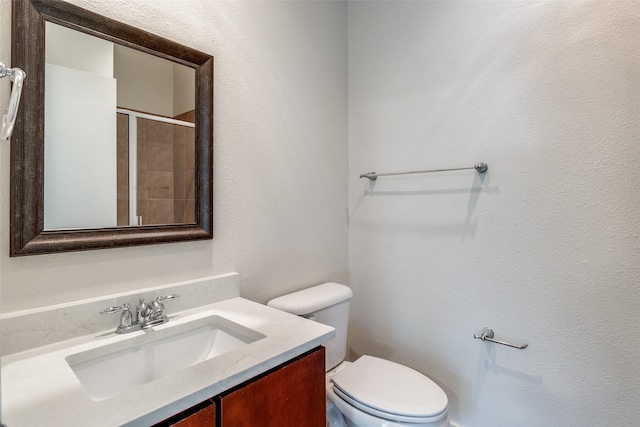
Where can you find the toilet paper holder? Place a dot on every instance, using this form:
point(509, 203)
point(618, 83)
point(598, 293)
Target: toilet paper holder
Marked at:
point(487, 335)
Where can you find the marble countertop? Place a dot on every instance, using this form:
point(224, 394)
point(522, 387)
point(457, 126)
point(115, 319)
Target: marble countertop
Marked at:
point(39, 388)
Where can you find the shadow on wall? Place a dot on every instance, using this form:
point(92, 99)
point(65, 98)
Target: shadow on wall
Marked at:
point(415, 189)
point(488, 362)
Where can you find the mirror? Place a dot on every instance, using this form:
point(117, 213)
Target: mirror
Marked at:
point(138, 170)
point(132, 111)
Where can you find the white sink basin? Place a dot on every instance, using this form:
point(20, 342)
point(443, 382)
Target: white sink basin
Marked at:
point(114, 368)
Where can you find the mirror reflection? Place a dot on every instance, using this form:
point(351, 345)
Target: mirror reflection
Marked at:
point(119, 135)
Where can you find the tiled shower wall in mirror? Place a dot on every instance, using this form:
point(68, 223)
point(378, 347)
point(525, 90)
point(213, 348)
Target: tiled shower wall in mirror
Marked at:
point(164, 171)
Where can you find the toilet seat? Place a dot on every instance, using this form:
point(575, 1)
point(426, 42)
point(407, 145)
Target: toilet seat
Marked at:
point(390, 391)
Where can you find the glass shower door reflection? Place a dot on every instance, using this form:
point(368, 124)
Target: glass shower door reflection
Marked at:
point(156, 170)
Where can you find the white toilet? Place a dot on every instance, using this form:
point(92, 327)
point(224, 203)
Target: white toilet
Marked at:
point(370, 392)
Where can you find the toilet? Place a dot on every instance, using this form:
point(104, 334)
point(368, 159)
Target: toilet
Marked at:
point(369, 392)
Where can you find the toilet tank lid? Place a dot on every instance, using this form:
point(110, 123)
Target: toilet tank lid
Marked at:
point(312, 299)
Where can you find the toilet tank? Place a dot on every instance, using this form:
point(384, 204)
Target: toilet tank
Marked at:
point(328, 304)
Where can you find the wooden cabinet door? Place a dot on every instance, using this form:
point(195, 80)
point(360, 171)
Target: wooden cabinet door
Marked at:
point(202, 415)
point(291, 396)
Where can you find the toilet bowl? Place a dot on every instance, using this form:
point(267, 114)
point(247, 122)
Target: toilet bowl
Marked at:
point(369, 392)
point(376, 392)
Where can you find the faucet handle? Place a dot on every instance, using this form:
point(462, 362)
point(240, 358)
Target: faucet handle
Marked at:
point(126, 318)
point(168, 297)
point(157, 308)
point(113, 310)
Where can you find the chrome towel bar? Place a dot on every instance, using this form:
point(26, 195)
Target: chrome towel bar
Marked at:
point(480, 167)
point(487, 335)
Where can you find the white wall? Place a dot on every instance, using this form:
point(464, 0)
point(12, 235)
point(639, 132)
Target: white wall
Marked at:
point(80, 89)
point(80, 173)
point(280, 130)
point(145, 82)
point(184, 89)
point(544, 248)
point(73, 49)
point(153, 85)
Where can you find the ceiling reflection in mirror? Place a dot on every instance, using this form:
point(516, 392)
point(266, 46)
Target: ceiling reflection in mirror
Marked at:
point(119, 135)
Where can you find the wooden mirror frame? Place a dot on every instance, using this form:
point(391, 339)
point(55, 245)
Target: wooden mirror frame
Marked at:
point(28, 236)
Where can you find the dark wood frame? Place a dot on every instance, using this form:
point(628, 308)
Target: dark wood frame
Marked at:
point(28, 236)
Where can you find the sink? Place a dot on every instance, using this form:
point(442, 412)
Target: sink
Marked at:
point(117, 367)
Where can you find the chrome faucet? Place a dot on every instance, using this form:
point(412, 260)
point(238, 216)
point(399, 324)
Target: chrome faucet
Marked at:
point(147, 315)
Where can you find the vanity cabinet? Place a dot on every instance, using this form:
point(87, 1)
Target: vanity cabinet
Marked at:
point(293, 395)
point(290, 395)
point(203, 414)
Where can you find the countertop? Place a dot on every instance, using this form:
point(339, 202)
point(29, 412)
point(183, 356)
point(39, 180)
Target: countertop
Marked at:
point(40, 389)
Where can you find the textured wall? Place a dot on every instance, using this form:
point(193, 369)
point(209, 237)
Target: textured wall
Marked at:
point(544, 247)
point(280, 157)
